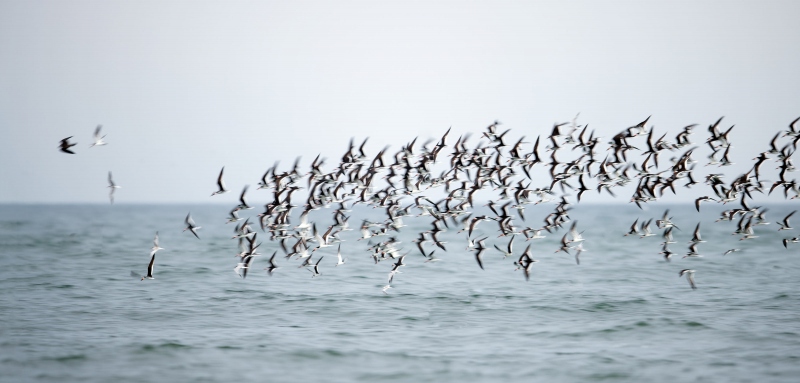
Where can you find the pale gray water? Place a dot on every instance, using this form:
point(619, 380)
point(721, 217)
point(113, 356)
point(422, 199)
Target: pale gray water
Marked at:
point(69, 310)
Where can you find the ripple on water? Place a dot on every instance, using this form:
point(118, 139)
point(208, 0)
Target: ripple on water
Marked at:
point(71, 358)
point(163, 347)
point(613, 306)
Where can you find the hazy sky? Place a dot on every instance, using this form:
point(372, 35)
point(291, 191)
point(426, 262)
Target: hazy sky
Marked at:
point(183, 88)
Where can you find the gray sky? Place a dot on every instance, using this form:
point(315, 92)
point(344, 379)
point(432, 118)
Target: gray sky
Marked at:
point(185, 87)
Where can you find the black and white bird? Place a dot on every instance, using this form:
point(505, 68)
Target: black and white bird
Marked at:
point(525, 262)
point(242, 202)
point(98, 140)
point(221, 184)
point(156, 247)
point(785, 225)
point(689, 276)
point(480, 248)
point(729, 251)
point(112, 187)
point(396, 268)
point(149, 269)
point(509, 248)
point(191, 226)
point(339, 260)
point(272, 266)
point(315, 268)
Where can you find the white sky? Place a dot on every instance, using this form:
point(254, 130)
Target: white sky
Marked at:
point(183, 88)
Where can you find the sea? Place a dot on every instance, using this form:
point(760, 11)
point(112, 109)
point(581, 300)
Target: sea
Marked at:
point(70, 311)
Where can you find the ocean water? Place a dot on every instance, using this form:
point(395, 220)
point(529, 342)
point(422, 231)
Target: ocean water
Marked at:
point(70, 311)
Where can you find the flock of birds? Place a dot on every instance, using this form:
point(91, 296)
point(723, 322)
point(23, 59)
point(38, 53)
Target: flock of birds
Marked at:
point(403, 183)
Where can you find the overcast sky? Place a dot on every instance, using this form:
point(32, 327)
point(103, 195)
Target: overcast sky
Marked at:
point(183, 88)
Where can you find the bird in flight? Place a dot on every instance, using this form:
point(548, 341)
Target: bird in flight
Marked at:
point(65, 145)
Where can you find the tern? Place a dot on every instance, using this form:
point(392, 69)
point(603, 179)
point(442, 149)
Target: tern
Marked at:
point(113, 187)
point(191, 226)
point(578, 250)
point(156, 247)
point(65, 145)
point(689, 276)
point(339, 261)
point(221, 184)
point(98, 141)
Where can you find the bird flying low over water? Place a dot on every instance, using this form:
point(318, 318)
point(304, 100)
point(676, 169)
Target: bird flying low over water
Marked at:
point(390, 181)
point(272, 266)
point(65, 145)
point(156, 247)
point(784, 224)
point(689, 277)
point(191, 226)
point(149, 269)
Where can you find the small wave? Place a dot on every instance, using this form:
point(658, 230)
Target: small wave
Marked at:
point(612, 306)
point(164, 346)
point(228, 348)
point(609, 376)
point(67, 358)
point(693, 324)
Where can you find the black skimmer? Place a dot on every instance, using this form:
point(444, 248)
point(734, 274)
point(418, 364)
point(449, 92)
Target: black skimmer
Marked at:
point(242, 202)
point(524, 262)
point(395, 268)
point(221, 184)
point(191, 226)
point(509, 248)
point(701, 199)
point(149, 269)
point(272, 266)
point(315, 268)
point(65, 145)
point(692, 251)
point(634, 228)
point(696, 237)
point(784, 225)
point(480, 247)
